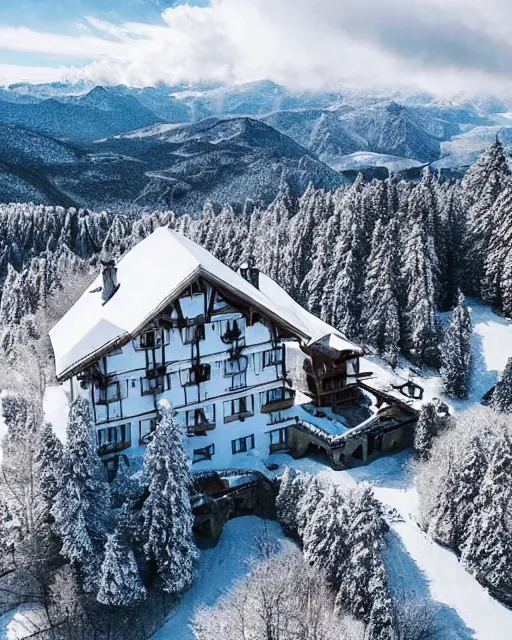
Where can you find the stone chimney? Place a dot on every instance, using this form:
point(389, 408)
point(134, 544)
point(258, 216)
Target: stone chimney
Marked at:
point(251, 274)
point(110, 285)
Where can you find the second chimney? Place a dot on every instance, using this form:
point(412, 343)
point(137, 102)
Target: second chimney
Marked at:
point(251, 274)
point(110, 285)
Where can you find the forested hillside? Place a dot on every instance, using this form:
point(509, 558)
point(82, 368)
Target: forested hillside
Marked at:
point(375, 259)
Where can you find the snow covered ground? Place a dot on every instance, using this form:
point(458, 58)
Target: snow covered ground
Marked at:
point(418, 567)
point(219, 568)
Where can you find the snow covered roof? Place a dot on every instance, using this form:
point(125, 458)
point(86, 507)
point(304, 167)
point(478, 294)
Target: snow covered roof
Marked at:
point(151, 276)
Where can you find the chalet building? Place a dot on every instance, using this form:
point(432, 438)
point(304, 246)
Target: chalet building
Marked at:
point(172, 322)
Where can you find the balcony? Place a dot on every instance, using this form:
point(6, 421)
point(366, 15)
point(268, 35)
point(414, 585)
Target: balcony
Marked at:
point(278, 446)
point(113, 447)
point(200, 428)
point(241, 415)
point(277, 400)
point(155, 371)
point(116, 397)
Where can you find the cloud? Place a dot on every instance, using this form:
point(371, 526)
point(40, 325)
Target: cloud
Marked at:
point(443, 46)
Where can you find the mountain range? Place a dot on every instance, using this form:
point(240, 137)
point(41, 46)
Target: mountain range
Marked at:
point(117, 148)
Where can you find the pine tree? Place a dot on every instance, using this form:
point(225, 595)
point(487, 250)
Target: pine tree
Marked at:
point(420, 336)
point(430, 424)
point(297, 253)
point(167, 514)
point(420, 274)
point(495, 284)
point(364, 541)
point(481, 186)
point(469, 473)
point(81, 504)
point(49, 464)
point(502, 396)
point(119, 583)
point(308, 504)
point(325, 535)
point(380, 317)
point(292, 487)
point(456, 351)
point(380, 624)
point(488, 551)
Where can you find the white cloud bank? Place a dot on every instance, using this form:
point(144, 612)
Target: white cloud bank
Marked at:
point(443, 46)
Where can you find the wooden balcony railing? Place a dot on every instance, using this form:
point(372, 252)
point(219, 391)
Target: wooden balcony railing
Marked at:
point(280, 403)
point(200, 428)
point(113, 447)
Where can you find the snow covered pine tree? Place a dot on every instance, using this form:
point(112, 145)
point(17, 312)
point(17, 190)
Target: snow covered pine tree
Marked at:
point(167, 514)
point(456, 351)
point(120, 583)
point(81, 504)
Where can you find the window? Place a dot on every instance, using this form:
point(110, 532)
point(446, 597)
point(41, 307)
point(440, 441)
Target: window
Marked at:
point(114, 435)
point(152, 385)
point(146, 429)
point(113, 392)
point(201, 419)
point(235, 366)
point(241, 445)
point(278, 436)
point(232, 330)
point(150, 339)
point(238, 408)
point(274, 356)
point(205, 453)
point(219, 303)
point(276, 416)
point(173, 380)
point(278, 439)
point(272, 395)
point(192, 333)
point(198, 374)
point(239, 381)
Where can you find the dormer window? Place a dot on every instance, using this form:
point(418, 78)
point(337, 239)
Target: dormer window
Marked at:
point(235, 366)
point(150, 339)
point(232, 331)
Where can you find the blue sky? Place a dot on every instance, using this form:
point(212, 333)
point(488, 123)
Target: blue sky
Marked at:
point(442, 46)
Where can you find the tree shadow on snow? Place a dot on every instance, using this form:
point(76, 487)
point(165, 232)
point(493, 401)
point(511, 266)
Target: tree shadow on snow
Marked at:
point(409, 584)
point(484, 379)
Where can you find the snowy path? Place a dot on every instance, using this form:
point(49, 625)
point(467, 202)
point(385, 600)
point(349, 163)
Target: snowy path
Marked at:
point(219, 567)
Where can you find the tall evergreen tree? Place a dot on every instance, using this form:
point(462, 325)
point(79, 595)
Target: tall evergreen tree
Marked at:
point(488, 550)
point(119, 583)
point(380, 303)
point(365, 542)
point(481, 187)
point(456, 351)
point(292, 488)
point(430, 424)
point(325, 535)
point(81, 504)
point(308, 504)
point(297, 254)
point(502, 396)
point(420, 335)
point(167, 514)
point(380, 623)
point(49, 464)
